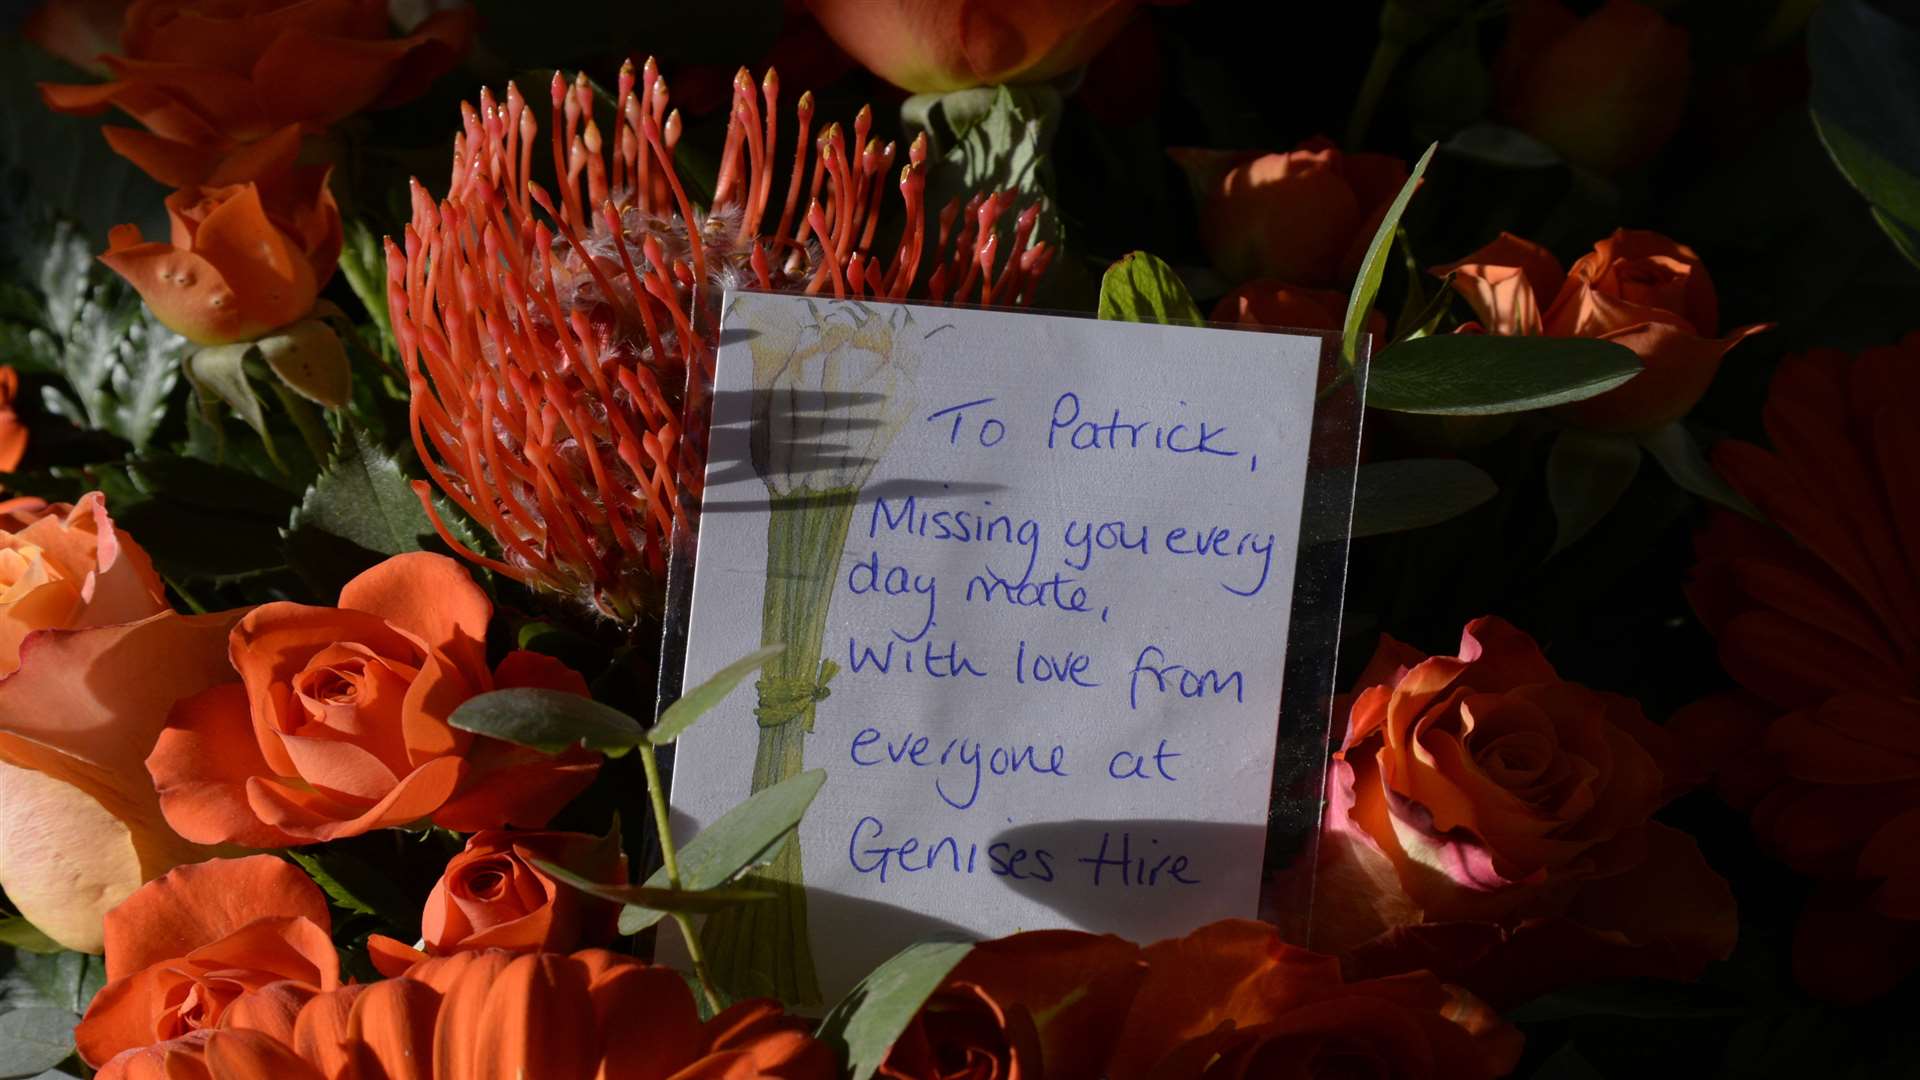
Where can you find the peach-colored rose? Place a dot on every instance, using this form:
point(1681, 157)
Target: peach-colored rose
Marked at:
point(1607, 90)
point(940, 45)
point(77, 720)
point(492, 896)
point(207, 77)
point(64, 566)
point(338, 724)
point(250, 250)
point(1489, 820)
point(183, 947)
point(1304, 217)
point(1635, 288)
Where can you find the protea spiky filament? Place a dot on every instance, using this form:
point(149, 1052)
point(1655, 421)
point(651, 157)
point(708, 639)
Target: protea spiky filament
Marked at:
point(559, 351)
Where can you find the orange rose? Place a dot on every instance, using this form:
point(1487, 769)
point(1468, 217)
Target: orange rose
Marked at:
point(77, 720)
point(1817, 616)
point(66, 566)
point(1232, 999)
point(935, 45)
point(205, 77)
point(212, 1055)
point(1607, 91)
point(492, 896)
point(1303, 217)
point(1042, 1003)
point(480, 1015)
point(339, 722)
point(13, 433)
point(249, 253)
point(1635, 288)
point(1489, 820)
point(183, 947)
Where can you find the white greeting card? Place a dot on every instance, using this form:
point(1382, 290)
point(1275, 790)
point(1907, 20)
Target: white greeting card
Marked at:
point(1033, 576)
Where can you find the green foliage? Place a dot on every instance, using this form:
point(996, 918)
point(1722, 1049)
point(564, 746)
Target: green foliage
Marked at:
point(1865, 62)
point(865, 1024)
point(989, 139)
point(359, 511)
point(1412, 493)
point(1587, 472)
point(1483, 375)
point(698, 701)
point(16, 932)
point(745, 837)
point(549, 721)
point(82, 323)
point(1674, 448)
point(1142, 288)
point(668, 900)
point(1374, 267)
point(35, 1039)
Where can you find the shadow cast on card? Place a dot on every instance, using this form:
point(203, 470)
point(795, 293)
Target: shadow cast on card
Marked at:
point(1118, 876)
point(897, 488)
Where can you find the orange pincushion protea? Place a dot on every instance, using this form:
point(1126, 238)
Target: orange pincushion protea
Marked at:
point(560, 362)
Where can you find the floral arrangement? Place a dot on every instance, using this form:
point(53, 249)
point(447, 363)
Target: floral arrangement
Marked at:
point(353, 424)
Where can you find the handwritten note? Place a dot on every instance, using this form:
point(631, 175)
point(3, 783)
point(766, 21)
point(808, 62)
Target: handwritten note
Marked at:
point(1033, 574)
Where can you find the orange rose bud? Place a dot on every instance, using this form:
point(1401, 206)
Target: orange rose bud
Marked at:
point(492, 896)
point(1635, 288)
point(339, 722)
point(1303, 217)
point(1607, 91)
point(249, 253)
point(67, 566)
point(183, 947)
point(1491, 821)
point(935, 45)
point(207, 77)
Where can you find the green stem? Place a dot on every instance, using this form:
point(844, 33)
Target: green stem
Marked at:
point(670, 856)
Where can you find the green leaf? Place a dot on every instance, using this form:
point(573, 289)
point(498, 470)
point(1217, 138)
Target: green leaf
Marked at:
point(1894, 192)
point(365, 499)
point(63, 980)
point(364, 266)
point(309, 359)
point(1413, 493)
point(688, 901)
point(1481, 375)
point(354, 885)
point(696, 702)
point(1587, 472)
point(1674, 448)
point(863, 1027)
point(33, 1040)
point(21, 934)
point(1142, 288)
point(989, 139)
point(1366, 286)
point(549, 721)
point(219, 376)
point(745, 837)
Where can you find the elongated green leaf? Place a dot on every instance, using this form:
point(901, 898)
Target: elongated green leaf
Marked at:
point(1481, 375)
point(1367, 285)
point(745, 837)
point(689, 901)
point(1142, 288)
point(33, 1040)
point(863, 1027)
point(1587, 472)
point(549, 721)
point(1413, 493)
point(1894, 192)
point(696, 702)
point(1674, 448)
